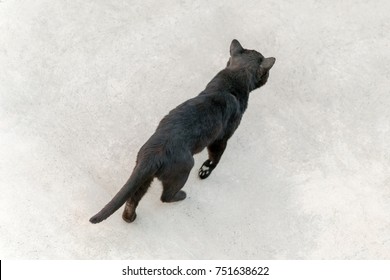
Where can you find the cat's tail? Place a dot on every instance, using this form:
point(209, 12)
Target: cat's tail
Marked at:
point(140, 175)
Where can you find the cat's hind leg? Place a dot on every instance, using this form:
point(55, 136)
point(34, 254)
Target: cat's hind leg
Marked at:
point(129, 214)
point(215, 150)
point(174, 179)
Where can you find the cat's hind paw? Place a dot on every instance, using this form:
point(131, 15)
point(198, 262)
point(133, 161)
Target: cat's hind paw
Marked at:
point(129, 219)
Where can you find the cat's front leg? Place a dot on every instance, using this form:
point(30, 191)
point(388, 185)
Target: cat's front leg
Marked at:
point(215, 150)
point(205, 169)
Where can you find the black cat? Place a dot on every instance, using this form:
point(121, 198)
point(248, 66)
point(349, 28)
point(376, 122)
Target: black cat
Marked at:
point(207, 120)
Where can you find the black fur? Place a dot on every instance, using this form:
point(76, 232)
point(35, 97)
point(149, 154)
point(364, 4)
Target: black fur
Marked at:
point(207, 120)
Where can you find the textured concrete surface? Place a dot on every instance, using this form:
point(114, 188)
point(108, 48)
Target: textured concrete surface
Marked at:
point(83, 84)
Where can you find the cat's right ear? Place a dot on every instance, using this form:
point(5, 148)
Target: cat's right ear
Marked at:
point(235, 48)
point(268, 63)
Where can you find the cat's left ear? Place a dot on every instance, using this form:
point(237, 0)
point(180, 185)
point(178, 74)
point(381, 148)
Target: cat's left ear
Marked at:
point(235, 48)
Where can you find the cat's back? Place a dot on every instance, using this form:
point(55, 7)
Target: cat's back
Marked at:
point(201, 110)
point(196, 122)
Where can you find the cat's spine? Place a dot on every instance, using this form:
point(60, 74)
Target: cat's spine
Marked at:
point(141, 173)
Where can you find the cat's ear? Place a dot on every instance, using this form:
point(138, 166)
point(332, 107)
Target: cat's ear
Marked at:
point(267, 63)
point(235, 48)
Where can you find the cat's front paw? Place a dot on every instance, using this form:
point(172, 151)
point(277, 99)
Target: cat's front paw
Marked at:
point(205, 169)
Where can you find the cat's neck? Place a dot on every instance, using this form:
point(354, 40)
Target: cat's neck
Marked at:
point(237, 82)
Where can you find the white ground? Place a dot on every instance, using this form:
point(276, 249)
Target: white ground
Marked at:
point(83, 84)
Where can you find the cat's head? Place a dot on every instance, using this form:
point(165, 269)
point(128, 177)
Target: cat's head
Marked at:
point(252, 61)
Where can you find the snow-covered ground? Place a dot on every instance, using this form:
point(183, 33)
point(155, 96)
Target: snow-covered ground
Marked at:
point(83, 84)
